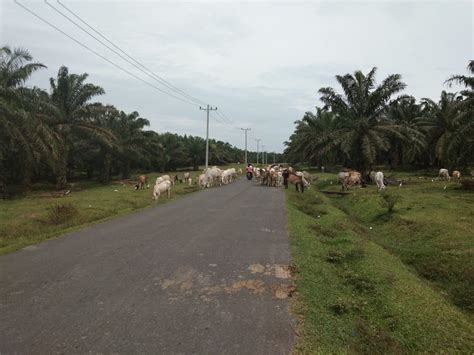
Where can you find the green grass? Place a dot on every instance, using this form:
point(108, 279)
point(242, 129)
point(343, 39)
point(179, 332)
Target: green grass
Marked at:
point(403, 286)
point(28, 220)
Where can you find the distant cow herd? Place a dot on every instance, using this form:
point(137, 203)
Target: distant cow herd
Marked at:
point(272, 176)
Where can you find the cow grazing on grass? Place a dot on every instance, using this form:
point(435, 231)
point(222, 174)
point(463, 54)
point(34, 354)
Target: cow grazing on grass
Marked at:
point(349, 179)
point(158, 189)
point(142, 183)
point(457, 175)
point(294, 179)
point(379, 180)
point(444, 174)
point(341, 176)
point(164, 178)
point(372, 176)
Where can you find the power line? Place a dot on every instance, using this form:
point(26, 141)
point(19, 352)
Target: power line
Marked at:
point(102, 57)
point(220, 120)
point(225, 117)
point(139, 66)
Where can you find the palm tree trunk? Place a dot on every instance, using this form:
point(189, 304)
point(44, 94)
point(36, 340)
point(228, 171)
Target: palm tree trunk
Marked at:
point(126, 169)
point(106, 163)
point(61, 172)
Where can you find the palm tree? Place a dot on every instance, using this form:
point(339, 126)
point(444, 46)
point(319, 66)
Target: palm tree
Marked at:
point(195, 150)
point(364, 130)
point(70, 114)
point(314, 138)
point(24, 133)
point(130, 139)
point(448, 141)
point(467, 82)
point(466, 114)
point(405, 112)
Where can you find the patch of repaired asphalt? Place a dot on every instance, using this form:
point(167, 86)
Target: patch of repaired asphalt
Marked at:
point(188, 282)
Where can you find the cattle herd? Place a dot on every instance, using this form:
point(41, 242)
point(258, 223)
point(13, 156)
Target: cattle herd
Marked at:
point(272, 176)
point(350, 178)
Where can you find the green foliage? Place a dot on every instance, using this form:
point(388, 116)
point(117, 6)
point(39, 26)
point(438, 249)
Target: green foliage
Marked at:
point(64, 135)
point(366, 125)
point(389, 200)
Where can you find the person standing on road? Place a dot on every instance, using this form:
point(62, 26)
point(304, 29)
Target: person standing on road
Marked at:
point(285, 174)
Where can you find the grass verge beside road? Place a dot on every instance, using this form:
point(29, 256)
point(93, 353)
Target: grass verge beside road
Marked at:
point(39, 215)
point(364, 289)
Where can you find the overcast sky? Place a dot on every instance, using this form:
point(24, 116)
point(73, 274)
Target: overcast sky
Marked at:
point(261, 63)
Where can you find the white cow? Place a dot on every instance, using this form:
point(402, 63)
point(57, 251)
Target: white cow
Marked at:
point(379, 181)
point(444, 174)
point(342, 176)
point(228, 175)
point(213, 176)
point(202, 181)
point(158, 189)
point(372, 176)
point(303, 175)
point(279, 178)
point(162, 178)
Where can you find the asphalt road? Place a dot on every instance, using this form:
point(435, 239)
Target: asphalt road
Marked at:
point(203, 274)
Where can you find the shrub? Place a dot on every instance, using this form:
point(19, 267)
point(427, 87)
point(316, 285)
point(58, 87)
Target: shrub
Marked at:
point(61, 213)
point(389, 200)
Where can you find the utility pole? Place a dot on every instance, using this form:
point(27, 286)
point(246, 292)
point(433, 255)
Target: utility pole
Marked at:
point(273, 157)
point(208, 108)
point(258, 141)
point(263, 154)
point(246, 130)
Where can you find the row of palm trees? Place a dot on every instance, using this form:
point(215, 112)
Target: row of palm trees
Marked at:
point(65, 134)
point(368, 124)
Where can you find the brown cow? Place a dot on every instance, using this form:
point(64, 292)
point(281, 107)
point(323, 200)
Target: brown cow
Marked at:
point(142, 183)
point(351, 179)
point(295, 180)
